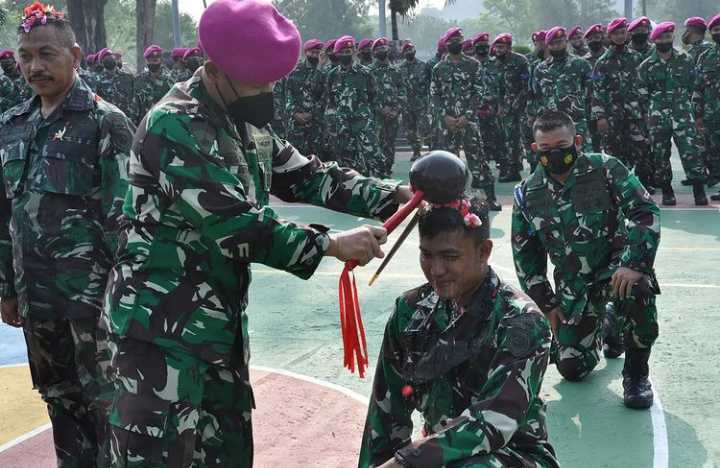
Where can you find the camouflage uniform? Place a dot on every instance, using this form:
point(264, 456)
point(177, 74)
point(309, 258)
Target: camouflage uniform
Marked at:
point(90, 78)
point(9, 97)
point(475, 376)
point(697, 49)
point(457, 90)
point(118, 88)
point(706, 100)
point(64, 184)
point(279, 100)
point(349, 101)
point(415, 116)
point(176, 298)
point(149, 89)
point(562, 84)
point(669, 86)
point(531, 107)
point(644, 51)
point(592, 122)
point(391, 93)
point(303, 90)
point(619, 98)
point(493, 146)
point(180, 74)
point(600, 219)
point(581, 51)
point(514, 78)
point(435, 127)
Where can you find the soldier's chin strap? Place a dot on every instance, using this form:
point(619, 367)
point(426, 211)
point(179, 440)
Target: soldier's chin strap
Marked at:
point(351, 324)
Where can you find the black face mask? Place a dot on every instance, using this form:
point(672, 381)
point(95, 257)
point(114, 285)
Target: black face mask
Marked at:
point(154, 67)
point(640, 38)
point(716, 37)
point(193, 63)
point(559, 160)
point(619, 47)
point(455, 48)
point(595, 46)
point(664, 46)
point(345, 59)
point(334, 59)
point(410, 56)
point(366, 56)
point(257, 110)
point(109, 64)
point(381, 56)
point(559, 54)
point(482, 50)
point(540, 54)
point(313, 60)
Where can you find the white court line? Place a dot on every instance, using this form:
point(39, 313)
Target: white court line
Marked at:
point(660, 435)
point(24, 437)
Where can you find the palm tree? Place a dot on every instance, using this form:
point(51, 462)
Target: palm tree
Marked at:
point(403, 7)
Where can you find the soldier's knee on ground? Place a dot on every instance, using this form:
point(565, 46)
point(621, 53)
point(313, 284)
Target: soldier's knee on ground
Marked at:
point(574, 369)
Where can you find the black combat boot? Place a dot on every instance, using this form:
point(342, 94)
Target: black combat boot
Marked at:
point(699, 194)
point(668, 196)
point(493, 205)
point(715, 197)
point(637, 393)
point(686, 182)
point(613, 345)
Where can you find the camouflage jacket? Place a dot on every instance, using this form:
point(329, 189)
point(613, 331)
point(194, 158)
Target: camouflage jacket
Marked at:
point(279, 112)
point(350, 95)
point(64, 183)
point(303, 91)
point(562, 85)
point(90, 78)
point(513, 78)
point(475, 376)
point(433, 61)
point(668, 85)
point(697, 49)
point(581, 51)
point(180, 74)
point(118, 88)
point(706, 98)
point(493, 81)
point(593, 58)
point(391, 89)
point(457, 88)
point(599, 219)
point(532, 101)
point(196, 219)
point(616, 86)
point(644, 52)
point(9, 97)
point(416, 76)
point(149, 89)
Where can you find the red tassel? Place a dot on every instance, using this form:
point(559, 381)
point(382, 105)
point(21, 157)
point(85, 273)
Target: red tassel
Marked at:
point(351, 324)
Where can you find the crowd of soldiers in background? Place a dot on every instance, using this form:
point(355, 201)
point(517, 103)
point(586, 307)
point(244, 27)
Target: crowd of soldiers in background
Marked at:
point(346, 101)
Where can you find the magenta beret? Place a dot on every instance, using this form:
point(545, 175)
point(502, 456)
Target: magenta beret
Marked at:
point(714, 21)
point(450, 33)
point(660, 29)
point(480, 37)
point(556, 32)
point(408, 45)
point(696, 22)
point(641, 21)
point(92, 58)
point(311, 44)
point(343, 42)
point(595, 28)
point(103, 53)
point(153, 50)
point(329, 44)
point(574, 31)
point(365, 43)
point(6, 53)
point(467, 44)
point(192, 52)
point(617, 23)
point(265, 46)
point(504, 38)
point(379, 42)
point(539, 36)
point(177, 53)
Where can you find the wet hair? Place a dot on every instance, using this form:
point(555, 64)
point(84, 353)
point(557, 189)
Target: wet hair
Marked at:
point(447, 219)
point(552, 120)
point(63, 32)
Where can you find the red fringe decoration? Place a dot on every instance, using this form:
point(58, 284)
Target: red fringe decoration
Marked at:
point(351, 324)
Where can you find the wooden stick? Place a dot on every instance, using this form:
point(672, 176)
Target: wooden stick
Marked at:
point(406, 232)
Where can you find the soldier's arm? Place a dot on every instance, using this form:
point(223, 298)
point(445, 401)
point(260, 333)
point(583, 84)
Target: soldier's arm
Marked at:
point(600, 97)
point(388, 425)
point(402, 98)
point(521, 95)
point(530, 259)
point(538, 105)
point(170, 164)
point(503, 404)
point(7, 273)
point(436, 97)
point(698, 95)
point(641, 214)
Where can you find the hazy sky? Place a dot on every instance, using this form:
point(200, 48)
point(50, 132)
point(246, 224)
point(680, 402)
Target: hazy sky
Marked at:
point(195, 7)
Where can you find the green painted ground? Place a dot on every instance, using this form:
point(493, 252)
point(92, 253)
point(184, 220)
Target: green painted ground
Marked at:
point(294, 325)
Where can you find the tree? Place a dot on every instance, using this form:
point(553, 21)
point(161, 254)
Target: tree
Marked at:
point(88, 21)
point(162, 31)
point(145, 24)
point(401, 7)
point(328, 18)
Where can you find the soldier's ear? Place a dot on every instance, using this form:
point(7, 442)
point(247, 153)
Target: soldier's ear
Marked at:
point(534, 147)
point(578, 141)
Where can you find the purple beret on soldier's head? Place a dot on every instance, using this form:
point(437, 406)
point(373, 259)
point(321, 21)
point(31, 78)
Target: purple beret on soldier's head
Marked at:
point(539, 36)
point(6, 54)
point(556, 32)
point(408, 45)
point(577, 30)
point(177, 53)
point(480, 37)
point(153, 51)
point(503, 38)
point(452, 32)
point(312, 44)
point(380, 42)
point(365, 44)
point(343, 42)
point(467, 44)
point(637, 22)
point(696, 22)
point(595, 28)
point(662, 28)
point(617, 23)
point(103, 53)
point(329, 45)
point(192, 52)
point(714, 21)
point(256, 31)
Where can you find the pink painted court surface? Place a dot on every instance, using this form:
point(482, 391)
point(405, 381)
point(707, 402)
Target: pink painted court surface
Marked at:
point(310, 410)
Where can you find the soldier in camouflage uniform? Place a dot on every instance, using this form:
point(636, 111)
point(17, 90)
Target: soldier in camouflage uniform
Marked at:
point(331, 60)
point(493, 145)
point(513, 75)
point(435, 127)
point(577, 41)
point(601, 230)
point(470, 357)
point(668, 77)
point(177, 71)
point(618, 104)
point(390, 100)
point(88, 75)
point(639, 30)
point(364, 52)
point(594, 36)
point(13, 87)
point(416, 76)
point(304, 89)
point(193, 59)
point(63, 159)
point(706, 100)
point(153, 83)
point(562, 82)
point(279, 100)
point(694, 37)
point(457, 91)
point(349, 99)
point(116, 86)
point(197, 217)
point(534, 58)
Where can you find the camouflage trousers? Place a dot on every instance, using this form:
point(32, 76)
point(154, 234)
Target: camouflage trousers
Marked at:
point(581, 128)
point(67, 370)
point(329, 137)
point(507, 457)
point(576, 348)
point(712, 148)
point(468, 140)
point(172, 410)
point(492, 138)
point(307, 140)
point(663, 127)
point(415, 122)
point(511, 159)
point(528, 139)
point(387, 134)
point(626, 141)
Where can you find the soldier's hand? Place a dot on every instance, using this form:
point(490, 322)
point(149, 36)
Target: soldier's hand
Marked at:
point(555, 317)
point(700, 125)
point(462, 121)
point(450, 122)
point(603, 126)
point(10, 313)
point(623, 281)
point(360, 244)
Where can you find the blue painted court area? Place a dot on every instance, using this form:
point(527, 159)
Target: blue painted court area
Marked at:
point(294, 325)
